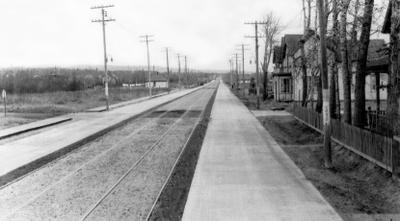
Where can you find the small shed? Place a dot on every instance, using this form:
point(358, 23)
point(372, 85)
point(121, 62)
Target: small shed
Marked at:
point(157, 81)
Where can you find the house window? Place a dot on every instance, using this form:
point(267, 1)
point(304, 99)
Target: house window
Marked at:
point(373, 83)
point(285, 85)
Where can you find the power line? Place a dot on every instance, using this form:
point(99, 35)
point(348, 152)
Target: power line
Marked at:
point(243, 80)
point(103, 21)
point(147, 40)
point(167, 58)
point(231, 71)
point(237, 71)
point(256, 36)
point(179, 69)
point(186, 72)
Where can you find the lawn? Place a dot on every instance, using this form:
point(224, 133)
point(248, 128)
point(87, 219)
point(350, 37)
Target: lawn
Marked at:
point(25, 108)
point(63, 102)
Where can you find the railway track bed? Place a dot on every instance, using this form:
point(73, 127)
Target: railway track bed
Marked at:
point(116, 177)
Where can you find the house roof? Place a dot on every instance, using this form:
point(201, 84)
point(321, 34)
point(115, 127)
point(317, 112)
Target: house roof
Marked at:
point(378, 58)
point(290, 43)
point(376, 49)
point(277, 58)
point(281, 74)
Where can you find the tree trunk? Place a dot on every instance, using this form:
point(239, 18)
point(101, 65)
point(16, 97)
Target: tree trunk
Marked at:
point(337, 94)
point(332, 90)
point(265, 85)
point(353, 33)
point(318, 107)
point(394, 77)
point(346, 74)
point(361, 66)
point(333, 66)
point(304, 75)
point(324, 79)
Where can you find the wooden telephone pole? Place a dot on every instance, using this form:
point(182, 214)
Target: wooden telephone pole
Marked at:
point(237, 72)
point(167, 57)
point(147, 40)
point(231, 71)
point(103, 21)
point(186, 73)
point(325, 89)
point(243, 64)
point(179, 70)
point(256, 36)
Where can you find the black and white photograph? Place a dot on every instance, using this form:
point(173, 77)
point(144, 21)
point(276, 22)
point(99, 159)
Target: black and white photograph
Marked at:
point(200, 110)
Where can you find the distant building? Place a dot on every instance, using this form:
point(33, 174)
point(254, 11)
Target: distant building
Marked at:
point(247, 78)
point(284, 67)
point(157, 81)
point(288, 77)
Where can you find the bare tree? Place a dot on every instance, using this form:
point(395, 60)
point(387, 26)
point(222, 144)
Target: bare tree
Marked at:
point(271, 29)
point(324, 79)
point(307, 23)
point(333, 65)
point(355, 24)
point(394, 76)
point(361, 65)
point(345, 67)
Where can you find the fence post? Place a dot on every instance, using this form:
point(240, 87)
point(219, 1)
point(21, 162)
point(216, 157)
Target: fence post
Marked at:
point(395, 155)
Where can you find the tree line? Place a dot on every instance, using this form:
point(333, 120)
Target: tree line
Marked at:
point(41, 80)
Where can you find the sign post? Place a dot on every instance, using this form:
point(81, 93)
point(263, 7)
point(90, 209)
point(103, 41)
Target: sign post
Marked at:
point(4, 96)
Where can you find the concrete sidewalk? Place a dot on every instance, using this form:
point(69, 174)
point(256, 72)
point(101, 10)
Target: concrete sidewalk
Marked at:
point(23, 155)
point(12, 131)
point(243, 174)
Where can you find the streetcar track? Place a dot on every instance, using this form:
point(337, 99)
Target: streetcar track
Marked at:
point(136, 164)
point(142, 115)
point(100, 134)
point(122, 142)
point(179, 102)
point(172, 170)
point(178, 159)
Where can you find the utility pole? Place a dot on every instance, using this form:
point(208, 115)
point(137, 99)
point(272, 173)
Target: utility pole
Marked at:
point(179, 70)
point(256, 36)
point(231, 71)
point(103, 21)
point(243, 64)
point(186, 73)
point(147, 40)
point(167, 57)
point(237, 72)
point(325, 90)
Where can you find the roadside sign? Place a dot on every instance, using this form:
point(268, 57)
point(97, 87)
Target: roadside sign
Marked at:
point(3, 94)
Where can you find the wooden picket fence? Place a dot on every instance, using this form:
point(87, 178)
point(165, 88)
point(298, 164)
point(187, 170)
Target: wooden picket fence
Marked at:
point(379, 149)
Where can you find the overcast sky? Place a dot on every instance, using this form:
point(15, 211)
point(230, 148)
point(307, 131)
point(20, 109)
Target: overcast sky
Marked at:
point(60, 33)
